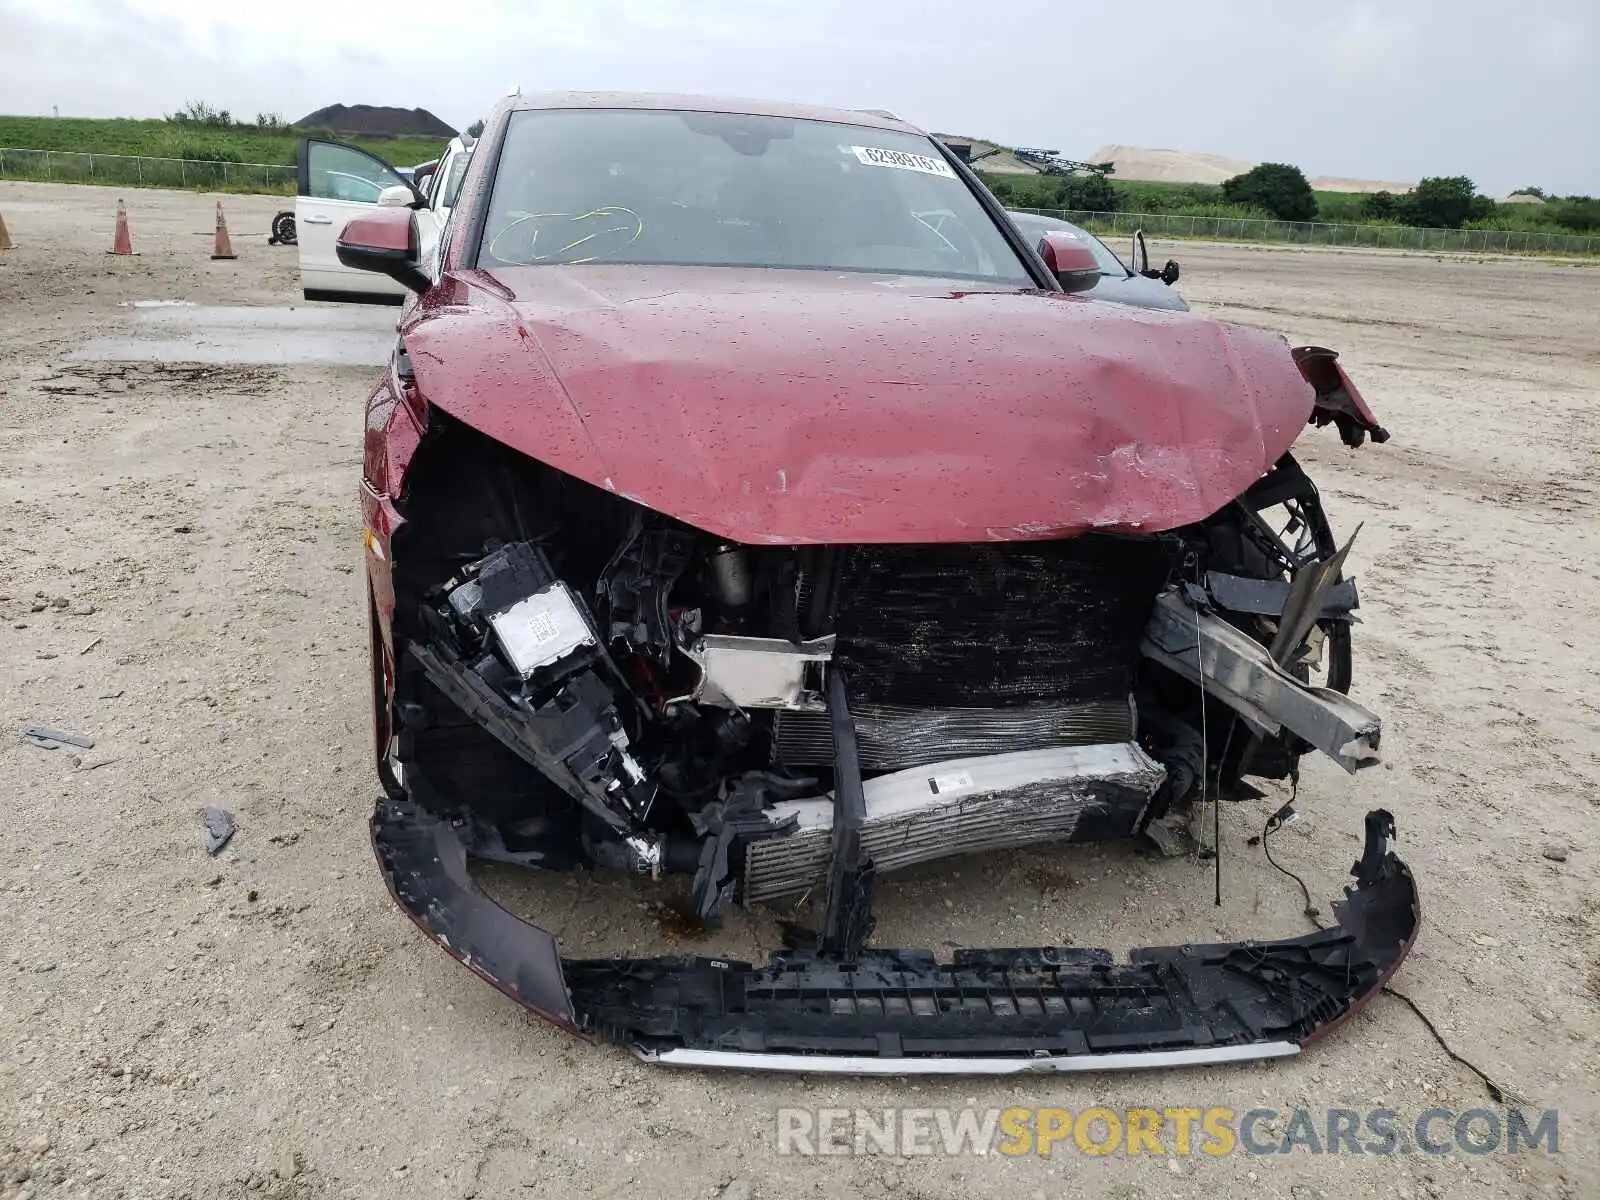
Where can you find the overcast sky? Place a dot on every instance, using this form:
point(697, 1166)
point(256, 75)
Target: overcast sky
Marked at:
point(1507, 94)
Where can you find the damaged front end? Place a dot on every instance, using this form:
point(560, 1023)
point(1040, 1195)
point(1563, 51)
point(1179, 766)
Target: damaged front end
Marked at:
point(568, 679)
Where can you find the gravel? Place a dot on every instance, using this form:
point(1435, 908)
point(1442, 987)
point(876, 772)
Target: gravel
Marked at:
point(208, 517)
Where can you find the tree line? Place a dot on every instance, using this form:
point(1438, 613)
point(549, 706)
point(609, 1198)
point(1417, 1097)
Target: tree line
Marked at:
point(1281, 191)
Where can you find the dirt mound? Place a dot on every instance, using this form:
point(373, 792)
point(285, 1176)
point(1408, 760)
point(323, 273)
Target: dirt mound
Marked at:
point(1334, 183)
point(370, 119)
point(1169, 166)
point(1182, 166)
point(986, 156)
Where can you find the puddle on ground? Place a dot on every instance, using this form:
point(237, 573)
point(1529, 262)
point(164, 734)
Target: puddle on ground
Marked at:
point(677, 923)
point(177, 331)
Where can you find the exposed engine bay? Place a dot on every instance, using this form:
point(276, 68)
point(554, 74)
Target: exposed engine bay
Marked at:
point(596, 683)
point(582, 682)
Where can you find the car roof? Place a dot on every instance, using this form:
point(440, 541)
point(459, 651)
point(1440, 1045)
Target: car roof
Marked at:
point(1032, 216)
point(718, 104)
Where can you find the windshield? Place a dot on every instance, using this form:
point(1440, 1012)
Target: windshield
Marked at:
point(1033, 226)
point(720, 189)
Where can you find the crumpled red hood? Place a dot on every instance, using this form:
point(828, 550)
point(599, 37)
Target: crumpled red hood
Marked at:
point(793, 407)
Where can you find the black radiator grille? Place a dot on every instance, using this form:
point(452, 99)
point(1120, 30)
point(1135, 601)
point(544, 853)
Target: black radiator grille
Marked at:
point(997, 624)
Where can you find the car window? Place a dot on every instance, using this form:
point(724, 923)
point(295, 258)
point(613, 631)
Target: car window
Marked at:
point(423, 176)
point(1034, 226)
point(345, 173)
point(452, 183)
point(722, 189)
point(341, 185)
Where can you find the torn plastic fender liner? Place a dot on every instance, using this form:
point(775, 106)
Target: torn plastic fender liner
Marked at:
point(903, 1012)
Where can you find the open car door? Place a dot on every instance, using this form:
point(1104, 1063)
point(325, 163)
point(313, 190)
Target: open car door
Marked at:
point(336, 184)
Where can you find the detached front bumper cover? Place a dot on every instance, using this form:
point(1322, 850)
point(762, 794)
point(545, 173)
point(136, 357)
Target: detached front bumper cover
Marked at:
point(995, 1011)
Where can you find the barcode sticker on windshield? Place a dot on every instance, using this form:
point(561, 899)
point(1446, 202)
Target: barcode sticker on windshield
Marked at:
point(872, 156)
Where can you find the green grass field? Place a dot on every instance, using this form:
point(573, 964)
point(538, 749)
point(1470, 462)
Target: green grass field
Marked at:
point(1174, 197)
point(1198, 210)
point(185, 146)
point(163, 139)
point(1187, 199)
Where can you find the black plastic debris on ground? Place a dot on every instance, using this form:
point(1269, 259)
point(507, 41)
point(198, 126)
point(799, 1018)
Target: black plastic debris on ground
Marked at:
point(219, 828)
point(52, 739)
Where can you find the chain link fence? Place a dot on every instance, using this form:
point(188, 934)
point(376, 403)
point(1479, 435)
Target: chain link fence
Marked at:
point(1322, 233)
point(65, 166)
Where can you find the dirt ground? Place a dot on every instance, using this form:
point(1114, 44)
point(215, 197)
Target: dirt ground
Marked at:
point(180, 578)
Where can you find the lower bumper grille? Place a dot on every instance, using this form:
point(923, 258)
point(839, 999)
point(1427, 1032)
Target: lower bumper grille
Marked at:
point(905, 1012)
point(965, 806)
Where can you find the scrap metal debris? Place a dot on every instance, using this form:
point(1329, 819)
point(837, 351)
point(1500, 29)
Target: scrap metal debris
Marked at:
point(219, 828)
point(53, 739)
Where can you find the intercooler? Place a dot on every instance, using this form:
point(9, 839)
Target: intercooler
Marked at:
point(965, 806)
point(890, 736)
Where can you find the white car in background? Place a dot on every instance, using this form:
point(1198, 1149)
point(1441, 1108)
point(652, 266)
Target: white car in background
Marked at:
point(337, 182)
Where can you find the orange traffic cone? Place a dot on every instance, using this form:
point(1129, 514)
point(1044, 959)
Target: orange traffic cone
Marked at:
point(224, 247)
point(121, 243)
point(5, 237)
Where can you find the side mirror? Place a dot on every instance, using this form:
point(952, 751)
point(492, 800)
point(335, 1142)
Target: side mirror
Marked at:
point(1070, 261)
point(397, 196)
point(385, 242)
point(1169, 273)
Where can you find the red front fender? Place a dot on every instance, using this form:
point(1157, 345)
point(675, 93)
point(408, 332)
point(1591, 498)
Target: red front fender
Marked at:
point(1338, 401)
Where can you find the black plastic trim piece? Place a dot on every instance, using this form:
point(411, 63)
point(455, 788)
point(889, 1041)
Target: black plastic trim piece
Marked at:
point(1164, 1006)
point(424, 865)
point(848, 921)
point(339, 297)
